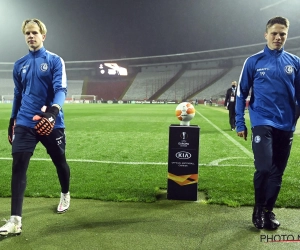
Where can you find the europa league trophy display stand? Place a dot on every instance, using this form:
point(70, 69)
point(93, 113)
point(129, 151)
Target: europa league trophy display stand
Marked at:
point(183, 162)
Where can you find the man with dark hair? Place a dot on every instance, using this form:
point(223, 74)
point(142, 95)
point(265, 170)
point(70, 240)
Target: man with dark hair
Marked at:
point(229, 104)
point(274, 77)
point(39, 94)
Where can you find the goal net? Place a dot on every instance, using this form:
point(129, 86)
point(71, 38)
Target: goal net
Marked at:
point(7, 98)
point(84, 98)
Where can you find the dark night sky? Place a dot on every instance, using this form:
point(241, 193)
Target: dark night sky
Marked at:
point(109, 29)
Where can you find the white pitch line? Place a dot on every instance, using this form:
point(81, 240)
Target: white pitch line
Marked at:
point(95, 161)
point(214, 163)
point(240, 146)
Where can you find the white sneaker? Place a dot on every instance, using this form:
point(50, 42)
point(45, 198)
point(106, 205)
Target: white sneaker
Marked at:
point(64, 203)
point(12, 226)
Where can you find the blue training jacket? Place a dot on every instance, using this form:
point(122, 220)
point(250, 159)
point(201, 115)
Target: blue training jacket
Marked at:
point(40, 79)
point(274, 79)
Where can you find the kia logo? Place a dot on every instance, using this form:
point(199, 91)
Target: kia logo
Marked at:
point(183, 155)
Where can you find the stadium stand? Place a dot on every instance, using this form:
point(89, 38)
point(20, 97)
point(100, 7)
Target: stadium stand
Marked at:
point(6, 87)
point(188, 83)
point(74, 87)
point(106, 90)
point(146, 84)
point(188, 76)
point(218, 89)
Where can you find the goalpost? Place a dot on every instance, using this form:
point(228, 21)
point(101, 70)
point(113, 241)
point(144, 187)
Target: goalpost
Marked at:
point(84, 98)
point(7, 98)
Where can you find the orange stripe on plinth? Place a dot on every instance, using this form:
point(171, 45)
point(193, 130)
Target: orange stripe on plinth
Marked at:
point(183, 180)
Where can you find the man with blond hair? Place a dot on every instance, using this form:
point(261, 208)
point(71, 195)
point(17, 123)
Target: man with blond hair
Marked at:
point(37, 116)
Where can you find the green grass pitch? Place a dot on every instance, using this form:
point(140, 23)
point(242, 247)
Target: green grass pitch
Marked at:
point(119, 152)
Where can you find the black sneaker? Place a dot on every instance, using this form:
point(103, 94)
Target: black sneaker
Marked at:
point(258, 217)
point(270, 221)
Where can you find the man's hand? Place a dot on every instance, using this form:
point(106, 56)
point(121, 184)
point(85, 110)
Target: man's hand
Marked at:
point(46, 121)
point(11, 130)
point(243, 134)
